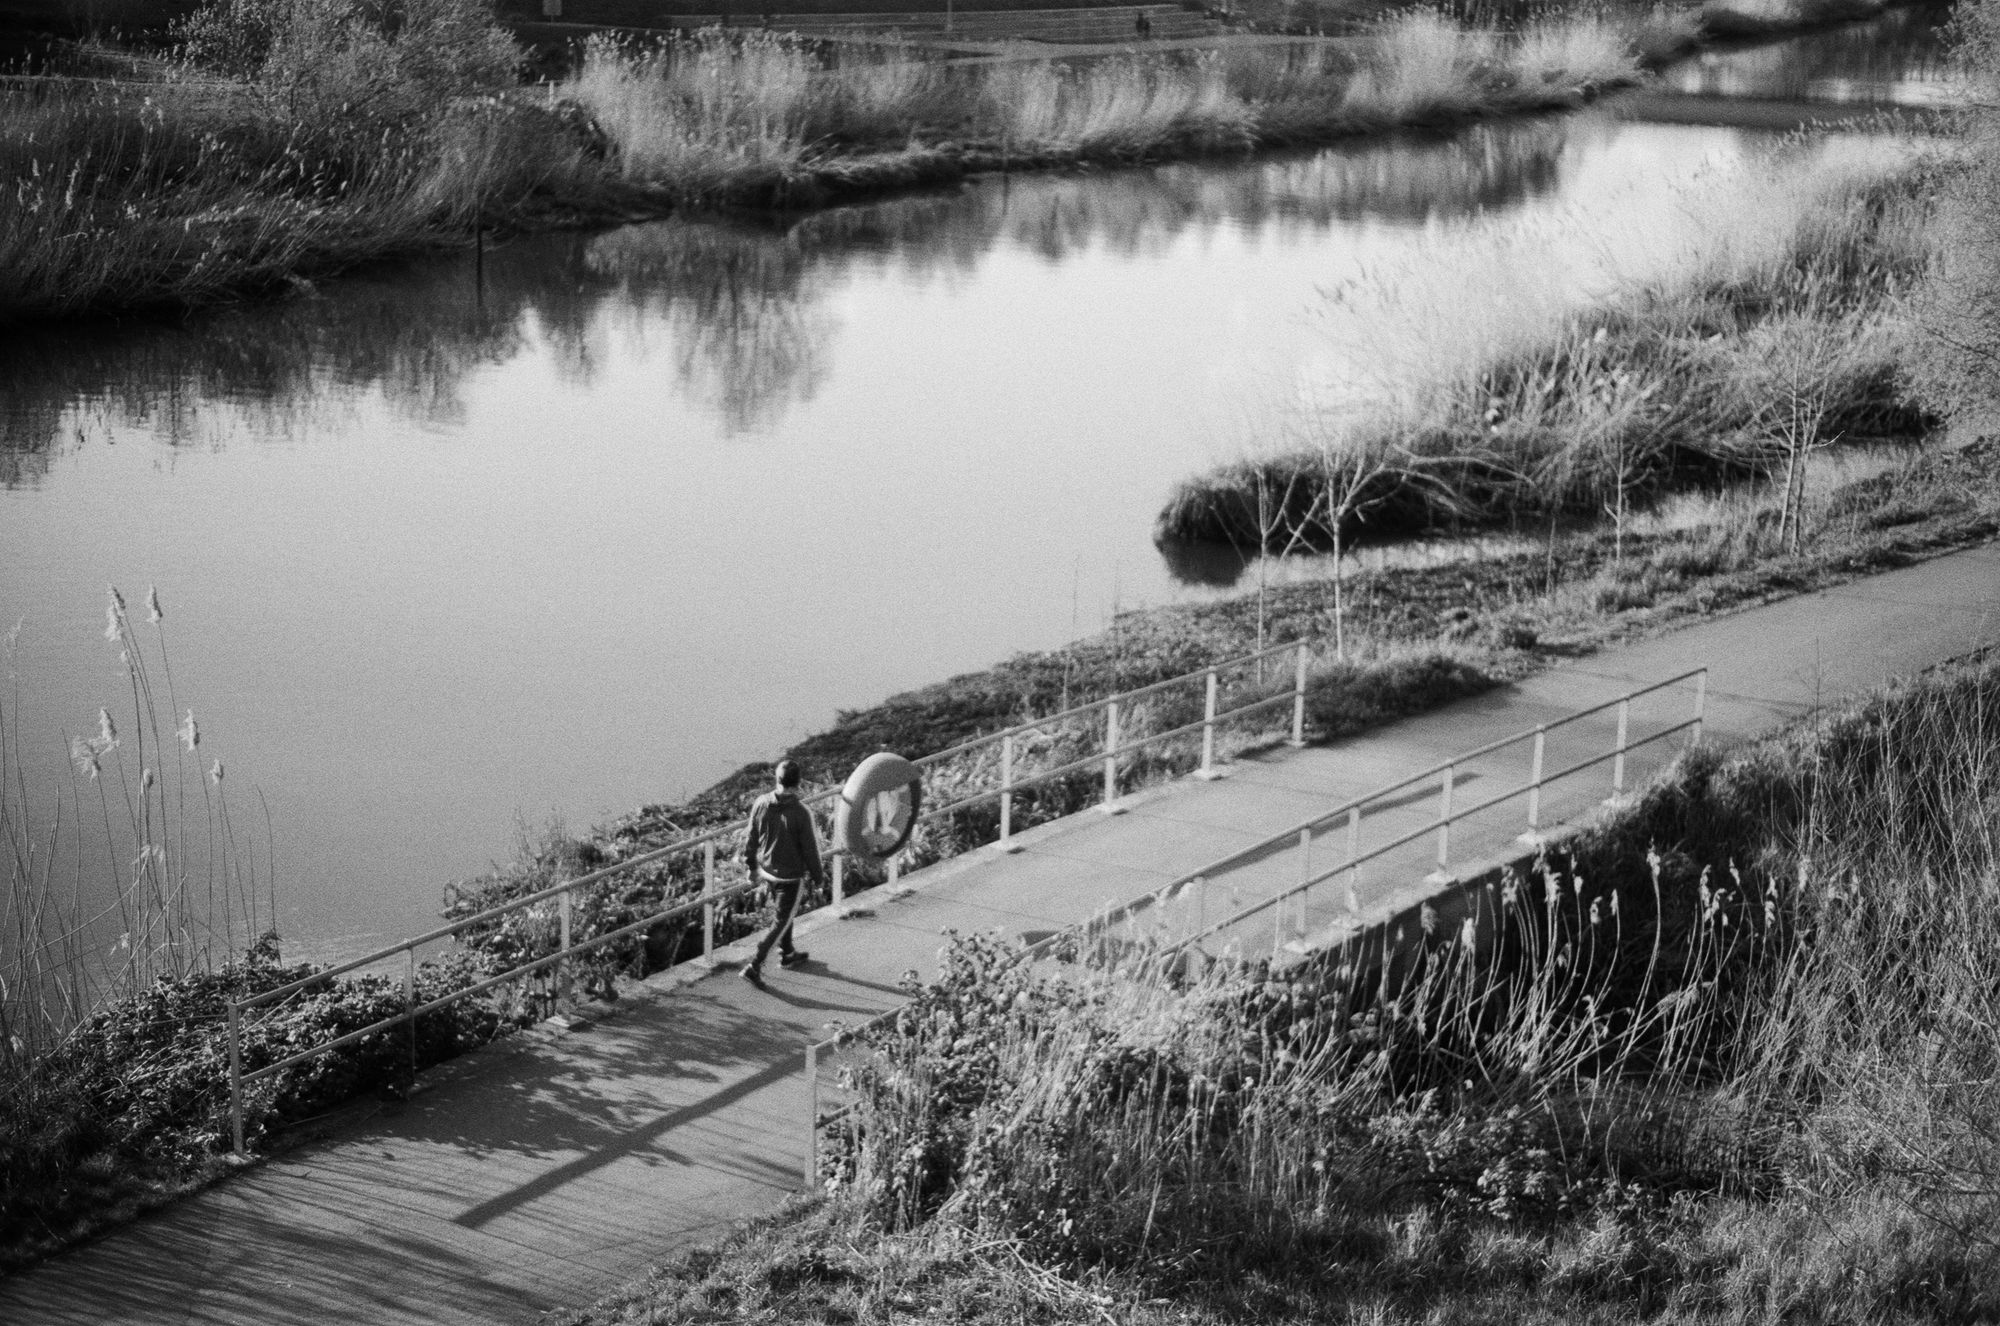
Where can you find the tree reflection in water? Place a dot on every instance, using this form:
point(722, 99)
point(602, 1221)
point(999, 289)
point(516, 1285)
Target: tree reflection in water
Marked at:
point(742, 306)
point(744, 303)
point(1897, 58)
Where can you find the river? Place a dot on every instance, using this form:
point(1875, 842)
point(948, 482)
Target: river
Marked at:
point(446, 547)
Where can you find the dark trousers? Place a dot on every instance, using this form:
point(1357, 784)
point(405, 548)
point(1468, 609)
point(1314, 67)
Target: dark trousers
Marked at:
point(786, 893)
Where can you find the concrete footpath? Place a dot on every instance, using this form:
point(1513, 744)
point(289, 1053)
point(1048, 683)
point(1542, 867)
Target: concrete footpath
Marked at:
point(547, 1170)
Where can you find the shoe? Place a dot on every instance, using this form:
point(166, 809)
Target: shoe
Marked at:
point(793, 959)
point(753, 973)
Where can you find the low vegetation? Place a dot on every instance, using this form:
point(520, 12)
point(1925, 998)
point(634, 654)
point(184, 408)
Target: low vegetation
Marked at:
point(1756, 1091)
point(1795, 337)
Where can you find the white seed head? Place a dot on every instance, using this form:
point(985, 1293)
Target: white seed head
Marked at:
point(107, 731)
point(153, 613)
point(114, 614)
point(190, 731)
point(215, 773)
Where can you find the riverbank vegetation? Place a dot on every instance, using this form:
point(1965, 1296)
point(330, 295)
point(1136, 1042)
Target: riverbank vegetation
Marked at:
point(762, 120)
point(340, 143)
point(1795, 334)
point(293, 140)
point(1756, 1091)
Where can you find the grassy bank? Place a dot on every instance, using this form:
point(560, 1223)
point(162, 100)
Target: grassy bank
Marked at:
point(298, 140)
point(762, 120)
point(178, 194)
point(1786, 1116)
point(1795, 336)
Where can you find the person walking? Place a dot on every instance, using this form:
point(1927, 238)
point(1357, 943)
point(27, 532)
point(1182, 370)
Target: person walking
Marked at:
point(782, 851)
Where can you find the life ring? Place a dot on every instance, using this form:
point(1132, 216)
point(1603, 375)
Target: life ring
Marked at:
point(879, 806)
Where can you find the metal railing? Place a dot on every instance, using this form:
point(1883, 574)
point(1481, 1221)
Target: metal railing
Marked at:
point(563, 894)
point(1446, 774)
point(1350, 813)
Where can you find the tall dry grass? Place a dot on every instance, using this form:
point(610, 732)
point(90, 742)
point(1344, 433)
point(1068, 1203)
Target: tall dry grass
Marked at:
point(727, 111)
point(138, 870)
point(1124, 1112)
point(182, 198)
point(338, 144)
point(1874, 1057)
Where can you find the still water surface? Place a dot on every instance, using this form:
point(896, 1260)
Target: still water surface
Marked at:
point(439, 554)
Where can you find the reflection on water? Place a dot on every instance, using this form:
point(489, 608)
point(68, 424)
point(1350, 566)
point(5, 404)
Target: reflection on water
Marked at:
point(642, 505)
point(742, 306)
point(1898, 59)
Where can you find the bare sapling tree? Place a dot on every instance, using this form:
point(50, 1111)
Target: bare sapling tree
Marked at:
point(1352, 482)
point(1276, 530)
point(1358, 474)
point(1802, 377)
point(1622, 403)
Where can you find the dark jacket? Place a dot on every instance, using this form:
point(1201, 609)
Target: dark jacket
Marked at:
point(781, 842)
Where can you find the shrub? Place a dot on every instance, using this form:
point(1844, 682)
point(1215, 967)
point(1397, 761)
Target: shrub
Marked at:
point(355, 58)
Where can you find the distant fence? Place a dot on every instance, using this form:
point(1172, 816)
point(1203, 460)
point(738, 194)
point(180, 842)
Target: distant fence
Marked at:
point(1079, 24)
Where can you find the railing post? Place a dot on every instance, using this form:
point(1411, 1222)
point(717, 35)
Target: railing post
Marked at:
point(1618, 760)
point(1354, 859)
point(566, 906)
point(236, 1076)
point(1007, 843)
point(708, 899)
point(1110, 804)
point(839, 878)
point(1305, 874)
point(1208, 769)
point(1534, 833)
point(1444, 821)
point(1299, 700)
point(410, 1001)
point(1700, 703)
point(812, 1117)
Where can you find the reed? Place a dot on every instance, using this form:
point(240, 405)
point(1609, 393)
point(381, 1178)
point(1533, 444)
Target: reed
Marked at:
point(139, 899)
point(139, 874)
point(138, 870)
